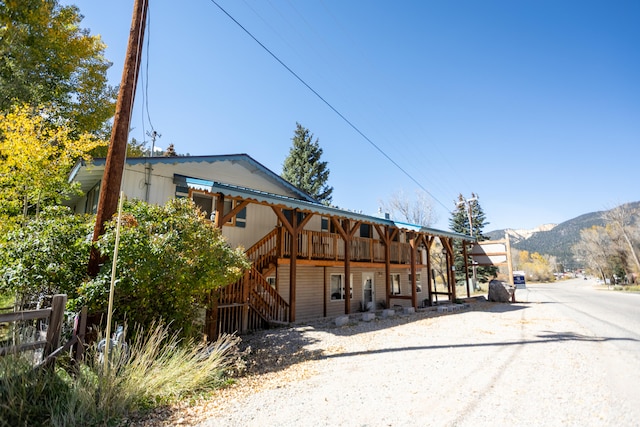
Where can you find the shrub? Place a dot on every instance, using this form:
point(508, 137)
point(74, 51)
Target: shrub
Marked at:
point(46, 255)
point(169, 260)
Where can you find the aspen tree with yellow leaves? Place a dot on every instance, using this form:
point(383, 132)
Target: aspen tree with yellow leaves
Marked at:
point(37, 151)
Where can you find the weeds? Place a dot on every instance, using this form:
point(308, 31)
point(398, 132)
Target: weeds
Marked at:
point(159, 370)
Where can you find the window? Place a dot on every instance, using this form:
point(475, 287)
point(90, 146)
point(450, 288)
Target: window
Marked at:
point(365, 230)
point(337, 287)
point(240, 219)
point(92, 199)
point(395, 284)
point(324, 224)
point(204, 202)
point(271, 280)
point(418, 285)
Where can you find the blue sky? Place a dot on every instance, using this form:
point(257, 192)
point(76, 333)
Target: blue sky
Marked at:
point(533, 105)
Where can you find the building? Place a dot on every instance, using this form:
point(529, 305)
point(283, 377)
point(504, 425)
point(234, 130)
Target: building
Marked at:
point(305, 255)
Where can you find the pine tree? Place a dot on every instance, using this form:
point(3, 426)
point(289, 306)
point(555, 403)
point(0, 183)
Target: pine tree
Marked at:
point(469, 218)
point(303, 167)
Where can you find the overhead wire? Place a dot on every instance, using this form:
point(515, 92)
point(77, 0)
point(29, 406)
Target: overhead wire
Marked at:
point(328, 104)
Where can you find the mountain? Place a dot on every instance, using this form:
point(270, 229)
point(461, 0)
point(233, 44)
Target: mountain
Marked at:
point(555, 240)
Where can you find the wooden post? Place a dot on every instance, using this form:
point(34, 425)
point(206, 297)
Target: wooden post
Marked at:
point(428, 243)
point(293, 266)
point(414, 290)
point(466, 266)
point(510, 266)
point(58, 304)
point(79, 331)
point(246, 284)
point(116, 156)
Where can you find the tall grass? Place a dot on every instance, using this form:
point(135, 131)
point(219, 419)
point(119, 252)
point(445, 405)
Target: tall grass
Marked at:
point(159, 370)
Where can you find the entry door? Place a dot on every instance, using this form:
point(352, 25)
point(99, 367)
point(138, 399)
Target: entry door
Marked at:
point(368, 291)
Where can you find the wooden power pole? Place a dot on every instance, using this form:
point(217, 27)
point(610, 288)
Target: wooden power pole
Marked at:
point(116, 156)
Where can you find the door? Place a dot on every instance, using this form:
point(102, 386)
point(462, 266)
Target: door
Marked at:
point(368, 291)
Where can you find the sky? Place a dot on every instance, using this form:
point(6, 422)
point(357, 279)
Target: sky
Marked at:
point(533, 105)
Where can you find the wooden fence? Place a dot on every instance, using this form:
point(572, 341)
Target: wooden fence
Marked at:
point(54, 317)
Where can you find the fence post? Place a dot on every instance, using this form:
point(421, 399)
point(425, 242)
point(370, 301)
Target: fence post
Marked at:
point(79, 332)
point(245, 301)
point(55, 323)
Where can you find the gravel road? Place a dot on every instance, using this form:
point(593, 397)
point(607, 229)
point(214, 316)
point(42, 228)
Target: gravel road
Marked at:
point(490, 365)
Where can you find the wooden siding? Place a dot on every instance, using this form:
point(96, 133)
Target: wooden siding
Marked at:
point(309, 292)
point(260, 221)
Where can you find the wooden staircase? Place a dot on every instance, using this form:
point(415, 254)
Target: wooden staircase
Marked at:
point(252, 303)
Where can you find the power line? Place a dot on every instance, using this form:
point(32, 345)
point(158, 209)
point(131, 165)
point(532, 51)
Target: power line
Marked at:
point(345, 119)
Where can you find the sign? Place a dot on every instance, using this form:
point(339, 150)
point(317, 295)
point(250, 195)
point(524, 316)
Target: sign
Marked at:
point(489, 253)
point(518, 279)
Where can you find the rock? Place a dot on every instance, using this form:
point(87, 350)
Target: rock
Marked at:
point(388, 312)
point(499, 291)
point(342, 320)
point(367, 317)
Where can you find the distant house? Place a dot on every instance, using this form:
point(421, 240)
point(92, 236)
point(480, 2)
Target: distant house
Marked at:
point(305, 255)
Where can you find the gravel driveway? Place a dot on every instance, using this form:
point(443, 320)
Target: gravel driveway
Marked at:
point(490, 365)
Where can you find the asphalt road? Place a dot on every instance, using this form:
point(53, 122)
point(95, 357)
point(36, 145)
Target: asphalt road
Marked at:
point(611, 317)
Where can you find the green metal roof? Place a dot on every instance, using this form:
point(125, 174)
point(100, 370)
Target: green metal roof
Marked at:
point(291, 203)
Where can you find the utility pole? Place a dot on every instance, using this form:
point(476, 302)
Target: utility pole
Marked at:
point(116, 156)
point(148, 167)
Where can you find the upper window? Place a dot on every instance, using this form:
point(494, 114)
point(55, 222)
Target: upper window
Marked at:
point(206, 203)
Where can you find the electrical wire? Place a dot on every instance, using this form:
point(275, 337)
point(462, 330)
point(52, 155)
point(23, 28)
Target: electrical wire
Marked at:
point(328, 104)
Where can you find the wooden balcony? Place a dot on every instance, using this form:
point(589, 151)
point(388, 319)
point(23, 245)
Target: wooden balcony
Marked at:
point(317, 245)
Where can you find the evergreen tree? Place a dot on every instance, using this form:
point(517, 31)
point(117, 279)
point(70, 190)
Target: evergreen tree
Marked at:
point(469, 218)
point(303, 167)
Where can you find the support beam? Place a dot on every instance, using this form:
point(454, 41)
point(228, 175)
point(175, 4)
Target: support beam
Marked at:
point(293, 226)
point(347, 236)
point(414, 291)
point(387, 236)
point(428, 243)
point(466, 267)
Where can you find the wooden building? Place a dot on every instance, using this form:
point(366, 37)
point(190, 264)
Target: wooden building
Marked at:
point(305, 255)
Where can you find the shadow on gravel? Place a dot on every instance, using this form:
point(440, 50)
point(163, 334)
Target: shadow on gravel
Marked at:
point(544, 339)
point(277, 349)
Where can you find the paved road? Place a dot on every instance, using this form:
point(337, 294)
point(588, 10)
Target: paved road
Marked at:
point(610, 316)
point(565, 355)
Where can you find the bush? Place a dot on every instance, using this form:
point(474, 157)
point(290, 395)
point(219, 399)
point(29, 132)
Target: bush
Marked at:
point(169, 260)
point(46, 255)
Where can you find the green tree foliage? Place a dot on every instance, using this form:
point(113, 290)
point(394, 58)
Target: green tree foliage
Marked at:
point(469, 218)
point(45, 256)
point(303, 167)
point(47, 59)
point(169, 260)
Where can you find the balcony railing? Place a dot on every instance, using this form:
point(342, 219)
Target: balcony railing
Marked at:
point(319, 245)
